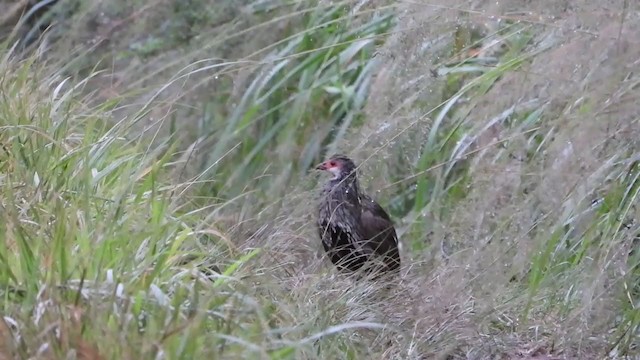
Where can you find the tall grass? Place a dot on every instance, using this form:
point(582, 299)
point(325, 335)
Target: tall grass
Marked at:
point(93, 252)
point(169, 216)
point(310, 88)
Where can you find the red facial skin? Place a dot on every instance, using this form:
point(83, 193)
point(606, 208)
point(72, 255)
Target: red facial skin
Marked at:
point(327, 165)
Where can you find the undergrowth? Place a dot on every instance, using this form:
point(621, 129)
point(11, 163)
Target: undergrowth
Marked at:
point(158, 203)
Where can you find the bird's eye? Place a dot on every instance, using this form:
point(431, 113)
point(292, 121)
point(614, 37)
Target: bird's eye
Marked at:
point(332, 163)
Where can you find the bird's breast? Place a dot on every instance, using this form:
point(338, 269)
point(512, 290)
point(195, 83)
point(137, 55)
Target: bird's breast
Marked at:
point(340, 216)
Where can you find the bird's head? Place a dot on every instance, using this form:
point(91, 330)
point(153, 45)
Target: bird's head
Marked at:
point(339, 166)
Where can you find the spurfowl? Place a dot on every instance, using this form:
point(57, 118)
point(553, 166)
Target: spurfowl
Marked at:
point(356, 232)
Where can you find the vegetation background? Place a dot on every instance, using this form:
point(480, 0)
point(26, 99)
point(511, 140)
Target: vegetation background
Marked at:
point(156, 192)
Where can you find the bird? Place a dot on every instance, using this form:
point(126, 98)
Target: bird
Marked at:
point(357, 233)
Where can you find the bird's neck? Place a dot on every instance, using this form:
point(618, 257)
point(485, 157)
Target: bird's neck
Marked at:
point(341, 202)
point(346, 187)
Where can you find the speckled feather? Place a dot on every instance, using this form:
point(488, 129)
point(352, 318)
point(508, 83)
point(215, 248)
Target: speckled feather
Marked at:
point(355, 230)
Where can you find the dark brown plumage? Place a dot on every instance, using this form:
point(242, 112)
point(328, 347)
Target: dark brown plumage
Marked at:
point(356, 232)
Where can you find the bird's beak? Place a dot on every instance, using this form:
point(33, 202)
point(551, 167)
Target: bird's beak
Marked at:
point(321, 166)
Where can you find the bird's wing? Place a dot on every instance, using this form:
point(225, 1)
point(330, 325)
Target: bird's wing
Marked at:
point(378, 227)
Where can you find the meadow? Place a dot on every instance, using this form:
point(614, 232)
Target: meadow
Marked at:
point(157, 191)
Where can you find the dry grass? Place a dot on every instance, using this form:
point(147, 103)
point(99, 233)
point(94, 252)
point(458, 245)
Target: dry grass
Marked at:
point(581, 72)
point(513, 182)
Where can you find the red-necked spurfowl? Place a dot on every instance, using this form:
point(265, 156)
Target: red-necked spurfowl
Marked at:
point(356, 232)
